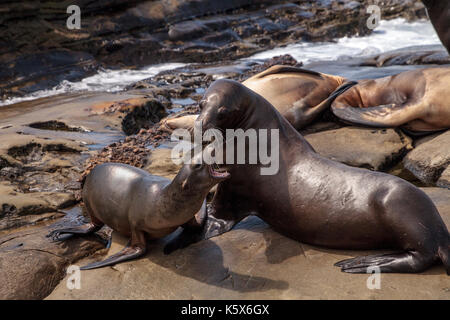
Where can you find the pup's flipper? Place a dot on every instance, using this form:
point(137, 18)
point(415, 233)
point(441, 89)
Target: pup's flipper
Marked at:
point(127, 253)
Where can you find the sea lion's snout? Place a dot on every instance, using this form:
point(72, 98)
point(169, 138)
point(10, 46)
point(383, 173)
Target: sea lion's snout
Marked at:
point(218, 173)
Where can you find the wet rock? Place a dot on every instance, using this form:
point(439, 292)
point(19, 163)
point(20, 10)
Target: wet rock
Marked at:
point(18, 209)
point(430, 158)
point(187, 30)
point(252, 262)
point(132, 114)
point(375, 149)
point(432, 54)
point(31, 265)
point(38, 178)
point(39, 50)
point(143, 117)
point(56, 125)
point(39, 71)
point(444, 179)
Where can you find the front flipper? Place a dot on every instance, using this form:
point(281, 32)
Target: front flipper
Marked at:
point(210, 227)
point(66, 233)
point(408, 262)
point(384, 116)
point(127, 253)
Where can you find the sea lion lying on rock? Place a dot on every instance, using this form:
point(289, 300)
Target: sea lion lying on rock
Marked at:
point(417, 100)
point(300, 95)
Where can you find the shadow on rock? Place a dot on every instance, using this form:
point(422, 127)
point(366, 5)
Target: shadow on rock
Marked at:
point(205, 262)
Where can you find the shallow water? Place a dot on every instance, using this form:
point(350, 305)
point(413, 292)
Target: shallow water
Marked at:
point(389, 35)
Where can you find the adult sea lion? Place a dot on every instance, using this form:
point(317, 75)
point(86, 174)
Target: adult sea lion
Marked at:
point(140, 205)
point(418, 101)
point(316, 200)
point(439, 14)
point(300, 95)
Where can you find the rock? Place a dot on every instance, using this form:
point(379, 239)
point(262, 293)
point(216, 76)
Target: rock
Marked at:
point(24, 150)
point(160, 163)
point(31, 265)
point(39, 178)
point(39, 71)
point(57, 126)
point(187, 30)
point(375, 149)
point(431, 54)
point(430, 158)
point(252, 262)
point(143, 117)
point(39, 50)
point(18, 209)
point(444, 179)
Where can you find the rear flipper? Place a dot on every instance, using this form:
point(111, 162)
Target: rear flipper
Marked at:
point(127, 253)
point(388, 115)
point(66, 233)
point(408, 262)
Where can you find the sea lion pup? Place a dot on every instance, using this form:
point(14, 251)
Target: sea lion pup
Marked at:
point(316, 200)
point(140, 205)
point(418, 101)
point(439, 14)
point(300, 95)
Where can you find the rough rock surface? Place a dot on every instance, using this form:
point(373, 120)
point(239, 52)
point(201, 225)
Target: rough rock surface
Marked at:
point(31, 265)
point(430, 158)
point(444, 179)
point(37, 178)
point(376, 149)
point(37, 49)
point(160, 163)
point(433, 54)
point(252, 262)
point(18, 208)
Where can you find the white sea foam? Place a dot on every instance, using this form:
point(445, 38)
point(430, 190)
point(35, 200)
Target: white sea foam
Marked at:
point(104, 80)
point(389, 35)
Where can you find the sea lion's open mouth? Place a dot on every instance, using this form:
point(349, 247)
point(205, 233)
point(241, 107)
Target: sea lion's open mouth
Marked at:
point(219, 173)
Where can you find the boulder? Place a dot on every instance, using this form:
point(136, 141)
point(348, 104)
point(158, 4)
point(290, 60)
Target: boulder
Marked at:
point(375, 149)
point(31, 265)
point(430, 158)
point(444, 179)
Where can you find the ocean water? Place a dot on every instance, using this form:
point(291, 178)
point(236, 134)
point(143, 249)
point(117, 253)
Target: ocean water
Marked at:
point(389, 35)
point(104, 80)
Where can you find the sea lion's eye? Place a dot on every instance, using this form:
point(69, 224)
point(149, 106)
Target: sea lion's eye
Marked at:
point(222, 109)
point(198, 166)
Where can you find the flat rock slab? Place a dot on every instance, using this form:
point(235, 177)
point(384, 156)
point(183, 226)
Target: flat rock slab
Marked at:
point(375, 149)
point(252, 262)
point(430, 159)
point(31, 265)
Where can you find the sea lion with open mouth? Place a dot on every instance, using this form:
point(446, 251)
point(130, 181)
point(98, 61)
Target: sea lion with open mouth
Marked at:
point(300, 95)
point(418, 101)
point(140, 205)
point(316, 200)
